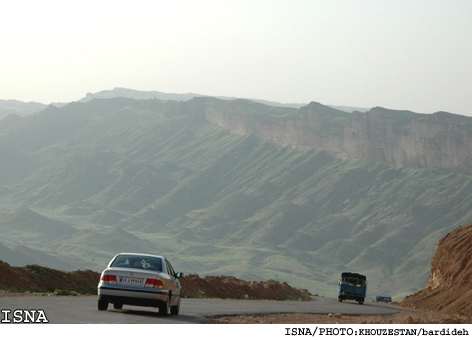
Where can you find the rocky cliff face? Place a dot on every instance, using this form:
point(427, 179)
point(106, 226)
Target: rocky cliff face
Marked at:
point(451, 266)
point(398, 139)
point(448, 288)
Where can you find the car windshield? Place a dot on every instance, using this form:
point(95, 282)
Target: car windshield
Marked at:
point(138, 262)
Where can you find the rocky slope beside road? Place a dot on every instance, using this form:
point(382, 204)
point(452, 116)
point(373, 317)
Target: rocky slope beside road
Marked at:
point(448, 289)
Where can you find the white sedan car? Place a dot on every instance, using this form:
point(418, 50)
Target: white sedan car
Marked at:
point(140, 280)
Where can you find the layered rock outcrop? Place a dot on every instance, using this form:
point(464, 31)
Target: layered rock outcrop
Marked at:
point(398, 139)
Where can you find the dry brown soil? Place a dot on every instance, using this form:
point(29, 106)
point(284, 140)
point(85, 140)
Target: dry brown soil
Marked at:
point(406, 316)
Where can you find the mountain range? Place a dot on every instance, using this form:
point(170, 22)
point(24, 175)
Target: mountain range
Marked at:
point(235, 187)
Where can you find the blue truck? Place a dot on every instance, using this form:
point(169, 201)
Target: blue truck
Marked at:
point(352, 286)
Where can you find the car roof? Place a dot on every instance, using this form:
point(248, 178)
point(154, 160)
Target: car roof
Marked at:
point(140, 254)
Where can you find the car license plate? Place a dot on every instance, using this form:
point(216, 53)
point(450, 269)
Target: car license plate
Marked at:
point(130, 281)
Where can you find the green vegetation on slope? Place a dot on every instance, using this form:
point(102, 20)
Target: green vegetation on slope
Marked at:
point(152, 176)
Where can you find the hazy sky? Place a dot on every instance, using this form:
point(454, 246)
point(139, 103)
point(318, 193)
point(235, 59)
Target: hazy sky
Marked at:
point(412, 54)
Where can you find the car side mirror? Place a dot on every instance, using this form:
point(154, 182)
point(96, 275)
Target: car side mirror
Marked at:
point(180, 275)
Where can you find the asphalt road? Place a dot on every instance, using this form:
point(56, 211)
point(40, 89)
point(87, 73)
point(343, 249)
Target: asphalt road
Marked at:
point(83, 309)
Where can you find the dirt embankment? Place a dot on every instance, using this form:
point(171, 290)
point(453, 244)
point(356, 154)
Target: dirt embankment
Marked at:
point(36, 279)
point(448, 290)
point(229, 287)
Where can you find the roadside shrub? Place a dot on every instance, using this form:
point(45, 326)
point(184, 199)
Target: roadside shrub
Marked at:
point(65, 292)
